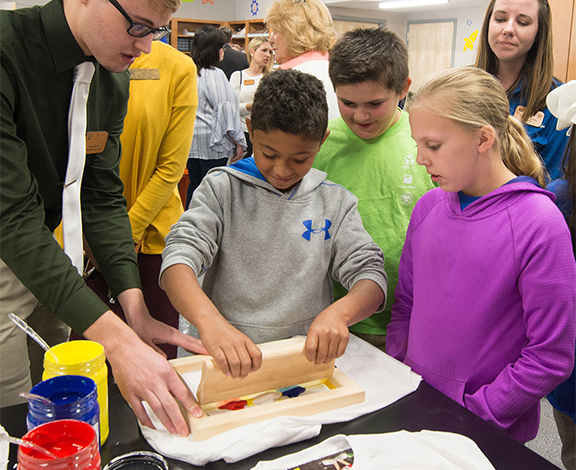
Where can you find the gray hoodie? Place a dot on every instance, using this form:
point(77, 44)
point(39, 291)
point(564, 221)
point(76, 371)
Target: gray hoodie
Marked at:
point(270, 256)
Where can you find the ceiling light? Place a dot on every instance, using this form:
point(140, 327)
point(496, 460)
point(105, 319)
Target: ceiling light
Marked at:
point(409, 3)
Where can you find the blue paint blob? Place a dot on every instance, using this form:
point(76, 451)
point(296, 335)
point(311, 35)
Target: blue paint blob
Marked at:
point(292, 392)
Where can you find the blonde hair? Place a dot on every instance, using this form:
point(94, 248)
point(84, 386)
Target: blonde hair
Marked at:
point(536, 75)
point(253, 46)
point(306, 25)
point(474, 99)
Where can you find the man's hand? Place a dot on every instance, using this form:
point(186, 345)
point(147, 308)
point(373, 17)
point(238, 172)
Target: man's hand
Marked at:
point(143, 375)
point(150, 330)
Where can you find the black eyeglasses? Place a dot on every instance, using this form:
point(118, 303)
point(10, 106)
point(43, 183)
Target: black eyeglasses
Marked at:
point(139, 30)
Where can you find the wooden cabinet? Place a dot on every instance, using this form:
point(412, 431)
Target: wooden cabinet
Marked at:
point(245, 31)
point(183, 32)
point(564, 32)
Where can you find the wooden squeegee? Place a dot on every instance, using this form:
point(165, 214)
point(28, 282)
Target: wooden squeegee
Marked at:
point(284, 364)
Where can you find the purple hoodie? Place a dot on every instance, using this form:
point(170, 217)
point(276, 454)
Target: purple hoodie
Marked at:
point(485, 304)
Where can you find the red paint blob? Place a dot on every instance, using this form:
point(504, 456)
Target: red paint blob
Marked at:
point(234, 405)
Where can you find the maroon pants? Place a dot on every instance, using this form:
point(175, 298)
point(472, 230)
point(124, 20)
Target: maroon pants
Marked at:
point(156, 299)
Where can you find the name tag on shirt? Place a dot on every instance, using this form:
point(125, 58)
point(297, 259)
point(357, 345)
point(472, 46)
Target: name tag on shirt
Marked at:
point(534, 121)
point(144, 74)
point(95, 142)
point(248, 82)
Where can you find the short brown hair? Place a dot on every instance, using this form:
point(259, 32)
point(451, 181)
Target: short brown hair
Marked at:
point(365, 54)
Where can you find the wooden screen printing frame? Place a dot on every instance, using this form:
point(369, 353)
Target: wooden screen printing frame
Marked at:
point(283, 365)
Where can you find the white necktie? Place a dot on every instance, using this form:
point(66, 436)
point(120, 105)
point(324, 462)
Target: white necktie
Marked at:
point(71, 210)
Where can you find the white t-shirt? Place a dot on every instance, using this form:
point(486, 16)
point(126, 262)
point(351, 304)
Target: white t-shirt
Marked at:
point(400, 450)
point(245, 86)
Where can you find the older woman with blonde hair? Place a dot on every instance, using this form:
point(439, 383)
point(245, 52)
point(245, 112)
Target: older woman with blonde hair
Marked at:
point(245, 82)
point(301, 33)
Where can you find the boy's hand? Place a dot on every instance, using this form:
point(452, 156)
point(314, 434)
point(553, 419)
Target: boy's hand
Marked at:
point(233, 351)
point(235, 354)
point(327, 337)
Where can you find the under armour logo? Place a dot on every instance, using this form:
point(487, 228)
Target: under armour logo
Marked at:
point(309, 230)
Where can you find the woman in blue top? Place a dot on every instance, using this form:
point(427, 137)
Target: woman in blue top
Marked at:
point(562, 103)
point(516, 47)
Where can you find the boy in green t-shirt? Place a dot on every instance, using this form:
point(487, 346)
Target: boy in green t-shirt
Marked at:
point(370, 150)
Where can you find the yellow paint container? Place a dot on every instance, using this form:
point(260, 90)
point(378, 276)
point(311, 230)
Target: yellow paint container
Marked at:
point(82, 358)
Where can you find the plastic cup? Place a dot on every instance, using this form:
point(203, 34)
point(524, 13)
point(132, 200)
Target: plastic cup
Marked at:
point(74, 442)
point(71, 396)
point(84, 358)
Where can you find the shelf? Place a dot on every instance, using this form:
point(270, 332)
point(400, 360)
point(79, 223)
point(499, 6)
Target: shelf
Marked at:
point(243, 31)
point(183, 32)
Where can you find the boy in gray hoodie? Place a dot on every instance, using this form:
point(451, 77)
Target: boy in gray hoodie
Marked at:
point(270, 233)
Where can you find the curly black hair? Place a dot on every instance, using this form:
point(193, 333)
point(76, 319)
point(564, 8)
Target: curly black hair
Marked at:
point(292, 102)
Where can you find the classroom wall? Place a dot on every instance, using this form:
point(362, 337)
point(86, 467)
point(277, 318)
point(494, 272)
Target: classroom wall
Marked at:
point(251, 9)
point(240, 10)
point(468, 20)
point(224, 10)
point(218, 10)
point(394, 21)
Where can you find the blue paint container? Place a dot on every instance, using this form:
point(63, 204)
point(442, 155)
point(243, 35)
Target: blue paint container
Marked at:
point(72, 397)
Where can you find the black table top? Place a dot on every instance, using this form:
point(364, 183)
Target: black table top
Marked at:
point(426, 408)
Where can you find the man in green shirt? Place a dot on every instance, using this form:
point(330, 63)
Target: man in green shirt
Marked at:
point(39, 48)
point(370, 150)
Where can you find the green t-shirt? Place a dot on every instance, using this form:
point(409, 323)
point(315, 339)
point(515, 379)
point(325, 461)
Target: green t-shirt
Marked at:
point(383, 174)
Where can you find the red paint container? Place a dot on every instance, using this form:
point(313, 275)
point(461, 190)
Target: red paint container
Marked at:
point(74, 442)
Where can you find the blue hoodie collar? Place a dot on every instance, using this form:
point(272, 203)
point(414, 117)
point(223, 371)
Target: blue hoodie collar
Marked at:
point(248, 167)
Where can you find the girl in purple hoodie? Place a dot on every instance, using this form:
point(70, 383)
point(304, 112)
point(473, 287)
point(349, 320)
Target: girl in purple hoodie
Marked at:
point(485, 304)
